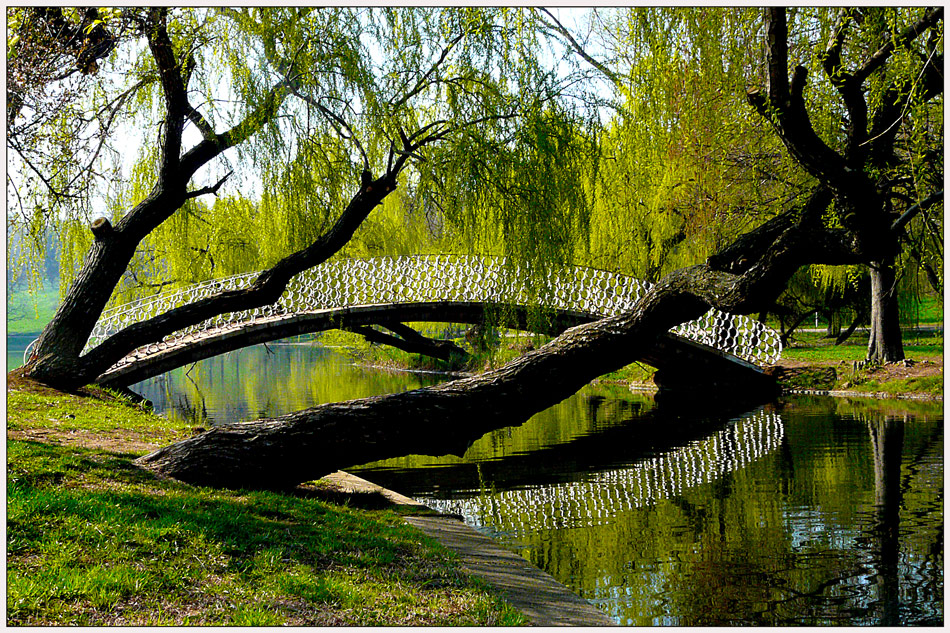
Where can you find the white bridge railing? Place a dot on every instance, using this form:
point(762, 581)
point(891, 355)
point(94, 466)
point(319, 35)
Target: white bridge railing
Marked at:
point(392, 280)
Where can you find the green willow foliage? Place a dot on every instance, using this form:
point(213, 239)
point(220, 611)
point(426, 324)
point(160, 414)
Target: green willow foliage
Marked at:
point(544, 166)
point(516, 153)
point(686, 165)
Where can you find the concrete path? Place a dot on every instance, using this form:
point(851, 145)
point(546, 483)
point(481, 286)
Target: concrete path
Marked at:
point(535, 593)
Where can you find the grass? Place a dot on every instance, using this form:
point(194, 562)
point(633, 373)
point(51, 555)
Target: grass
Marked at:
point(94, 540)
point(925, 384)
point(28, 313)
point(813, 347)
point(930, 310)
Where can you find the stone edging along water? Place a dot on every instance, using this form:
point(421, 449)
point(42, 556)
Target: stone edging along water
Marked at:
point(536, 594)
point(877, 395)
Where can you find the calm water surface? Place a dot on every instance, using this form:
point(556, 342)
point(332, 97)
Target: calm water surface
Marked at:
point(810, 511)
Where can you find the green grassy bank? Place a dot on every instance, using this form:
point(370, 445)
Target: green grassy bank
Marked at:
point(94, 540)
point(29, 313)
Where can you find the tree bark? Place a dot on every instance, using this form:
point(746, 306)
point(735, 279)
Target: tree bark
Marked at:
point(885, 343)
point(859, 318)
point(408, 340)
point(305, 445)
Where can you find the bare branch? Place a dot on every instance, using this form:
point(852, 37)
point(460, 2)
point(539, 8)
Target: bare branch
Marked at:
point(206, 190)
point(777, 40)
point(924, 204)
point(333, 116)
point(207, 132)
point(424, 80)
point(849, 87)
point(929, 20)
point(53, 190)
point(785, 108)
point(557, 26)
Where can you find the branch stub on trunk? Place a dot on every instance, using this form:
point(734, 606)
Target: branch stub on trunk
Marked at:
point(101, 228)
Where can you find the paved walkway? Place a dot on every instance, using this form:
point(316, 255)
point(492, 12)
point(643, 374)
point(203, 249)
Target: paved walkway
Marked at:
point(535, 593)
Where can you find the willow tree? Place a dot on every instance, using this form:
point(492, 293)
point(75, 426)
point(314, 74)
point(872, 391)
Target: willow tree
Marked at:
point(319, 114)
point(844, 218)
point(686, 169)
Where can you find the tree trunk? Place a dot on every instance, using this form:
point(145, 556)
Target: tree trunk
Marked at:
point(857, 321)
point(885, 343)
point(447, 418)
point(744, 278)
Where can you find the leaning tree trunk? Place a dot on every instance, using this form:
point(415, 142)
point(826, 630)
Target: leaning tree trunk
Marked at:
point(282, 452)
point(886, 343)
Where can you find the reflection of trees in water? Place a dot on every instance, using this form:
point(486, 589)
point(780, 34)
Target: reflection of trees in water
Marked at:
point(267, 381)
point(838, 526)
point(887, 443)
point(884, 567)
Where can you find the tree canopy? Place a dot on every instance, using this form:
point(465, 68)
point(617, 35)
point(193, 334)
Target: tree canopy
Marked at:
point(202, 142)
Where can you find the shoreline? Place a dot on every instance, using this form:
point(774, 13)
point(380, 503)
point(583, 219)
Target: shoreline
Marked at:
point(649, 387)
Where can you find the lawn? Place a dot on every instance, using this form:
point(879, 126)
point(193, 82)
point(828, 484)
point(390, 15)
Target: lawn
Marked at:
point(28, 313)
point(813, 347)
point(93, 540)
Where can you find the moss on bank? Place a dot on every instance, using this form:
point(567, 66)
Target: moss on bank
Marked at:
point(94, 540)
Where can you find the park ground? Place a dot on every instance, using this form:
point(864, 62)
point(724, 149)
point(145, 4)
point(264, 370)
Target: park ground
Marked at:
point(94, 540)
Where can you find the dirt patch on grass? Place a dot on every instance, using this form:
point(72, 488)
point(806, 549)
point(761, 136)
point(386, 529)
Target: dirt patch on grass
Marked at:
point(882, 373)
point(113, 441)
point(891, 371)
point(831, 374)
point(116, 440)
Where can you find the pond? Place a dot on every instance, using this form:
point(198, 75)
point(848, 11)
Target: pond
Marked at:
point(806, 511)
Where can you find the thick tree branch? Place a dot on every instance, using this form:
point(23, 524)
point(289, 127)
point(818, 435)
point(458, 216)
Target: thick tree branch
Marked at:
point(409, 340)
point(923, 205)
point(887, 118)
point(173, 88)
point(929, 20)
point(849, 87)
point(776, 30)
point(266, 289)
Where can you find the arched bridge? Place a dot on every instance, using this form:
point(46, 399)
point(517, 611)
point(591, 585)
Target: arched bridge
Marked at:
point(351, 292)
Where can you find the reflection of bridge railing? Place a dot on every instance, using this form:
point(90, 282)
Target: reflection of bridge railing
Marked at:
point(393, 280)
point(604, 494)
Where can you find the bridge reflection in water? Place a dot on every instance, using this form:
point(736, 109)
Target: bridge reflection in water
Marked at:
point(604, 494)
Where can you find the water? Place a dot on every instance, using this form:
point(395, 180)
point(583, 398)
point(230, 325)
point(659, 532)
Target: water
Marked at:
point(809, 511)
point(16, 344)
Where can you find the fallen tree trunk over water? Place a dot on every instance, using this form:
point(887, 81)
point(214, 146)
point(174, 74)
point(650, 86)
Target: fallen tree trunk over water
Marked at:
point(447, 418)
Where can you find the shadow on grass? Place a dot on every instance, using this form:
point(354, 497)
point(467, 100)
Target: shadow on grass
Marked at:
point(81, 512)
